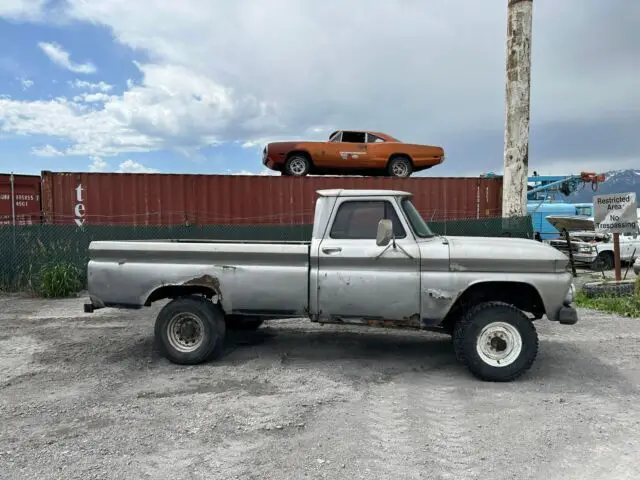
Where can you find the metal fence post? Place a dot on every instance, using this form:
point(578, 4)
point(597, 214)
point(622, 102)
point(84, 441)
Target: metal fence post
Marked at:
point(14, 253)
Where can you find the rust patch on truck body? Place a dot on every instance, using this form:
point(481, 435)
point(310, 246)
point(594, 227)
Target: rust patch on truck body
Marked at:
point(410, 322)
point(207, 281)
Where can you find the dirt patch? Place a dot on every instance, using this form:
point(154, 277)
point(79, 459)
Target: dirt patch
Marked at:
point(86, 396)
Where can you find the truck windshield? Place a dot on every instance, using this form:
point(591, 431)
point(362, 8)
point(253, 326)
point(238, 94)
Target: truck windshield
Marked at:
point(420, 228)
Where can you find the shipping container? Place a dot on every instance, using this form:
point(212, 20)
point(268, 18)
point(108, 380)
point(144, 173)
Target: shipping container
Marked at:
point(170, 199)
point(19, 199)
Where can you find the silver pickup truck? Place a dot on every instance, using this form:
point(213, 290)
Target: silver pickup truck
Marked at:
point(372, 260)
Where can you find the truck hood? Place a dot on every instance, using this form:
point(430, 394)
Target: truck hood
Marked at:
point(504, 255)
point(571, 224)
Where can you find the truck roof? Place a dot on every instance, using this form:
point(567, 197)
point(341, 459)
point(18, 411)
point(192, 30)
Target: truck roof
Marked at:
point(342, 192)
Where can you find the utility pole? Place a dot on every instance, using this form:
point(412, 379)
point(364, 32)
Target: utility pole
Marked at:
point(517, 94)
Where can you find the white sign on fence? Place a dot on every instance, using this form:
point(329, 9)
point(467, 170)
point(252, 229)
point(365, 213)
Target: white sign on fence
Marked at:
point(616, 213)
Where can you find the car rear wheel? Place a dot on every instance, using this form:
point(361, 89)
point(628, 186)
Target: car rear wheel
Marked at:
point(399, 167)
point(297, 166)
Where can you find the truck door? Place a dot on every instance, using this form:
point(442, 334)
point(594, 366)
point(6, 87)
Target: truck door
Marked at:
point(358, 280)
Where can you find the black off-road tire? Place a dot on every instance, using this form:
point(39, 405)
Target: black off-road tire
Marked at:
point(292, 162)
point(494, 315)
point(603, 262)
point(213, 330)
point(403, 161)
point(609, 289)
point(243, 324)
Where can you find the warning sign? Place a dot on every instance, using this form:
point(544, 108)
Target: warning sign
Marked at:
point(616, 213)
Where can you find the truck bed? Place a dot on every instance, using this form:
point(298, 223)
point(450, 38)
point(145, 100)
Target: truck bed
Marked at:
point(244, 242)
point(251, 277)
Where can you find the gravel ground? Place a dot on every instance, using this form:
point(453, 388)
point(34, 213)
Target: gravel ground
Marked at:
point(87, 396)
point(587, 275)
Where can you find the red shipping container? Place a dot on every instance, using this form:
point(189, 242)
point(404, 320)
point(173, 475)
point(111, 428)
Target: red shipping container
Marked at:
point(165, 199)
point(25, 193)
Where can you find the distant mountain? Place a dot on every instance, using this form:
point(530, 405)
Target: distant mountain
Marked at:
point(617, 181)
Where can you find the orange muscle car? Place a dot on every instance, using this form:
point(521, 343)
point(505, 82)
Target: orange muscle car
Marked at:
point(351, 152)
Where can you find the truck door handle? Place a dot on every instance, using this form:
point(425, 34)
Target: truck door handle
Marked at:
point(330, 250)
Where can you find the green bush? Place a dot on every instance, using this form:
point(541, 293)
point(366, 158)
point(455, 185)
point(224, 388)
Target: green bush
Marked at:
point(637, 287)
point(627, 306)
point(59, 280)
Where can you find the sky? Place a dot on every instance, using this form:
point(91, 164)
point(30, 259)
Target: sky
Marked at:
point(199, 86)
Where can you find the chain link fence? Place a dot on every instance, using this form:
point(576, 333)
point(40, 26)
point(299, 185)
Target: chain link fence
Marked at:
point(26, 249)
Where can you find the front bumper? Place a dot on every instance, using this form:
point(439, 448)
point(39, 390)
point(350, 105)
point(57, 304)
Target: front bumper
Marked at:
point(270, 163)
point(566, 314)
point(583, 258)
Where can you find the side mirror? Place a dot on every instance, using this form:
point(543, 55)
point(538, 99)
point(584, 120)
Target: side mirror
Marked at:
point(385, 232)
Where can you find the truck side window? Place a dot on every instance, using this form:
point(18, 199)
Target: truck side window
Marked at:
point(358, 220)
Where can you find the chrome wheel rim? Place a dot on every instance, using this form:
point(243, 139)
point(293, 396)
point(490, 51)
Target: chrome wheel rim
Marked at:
point(298, 166)
point(185, 332)
point(400, 169)
point(499, 344)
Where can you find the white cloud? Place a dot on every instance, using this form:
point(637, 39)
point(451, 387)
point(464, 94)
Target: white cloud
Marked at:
point(438, 62)
point(173, 107)
point(21, 9)
point(130, 166)
point(26, 83)
point(61, 58)
point(262, 173)
point(91, 132)
point(99, 86)
point(46, 151)
point(93, 97)
point(433, 75)
point(98, 164)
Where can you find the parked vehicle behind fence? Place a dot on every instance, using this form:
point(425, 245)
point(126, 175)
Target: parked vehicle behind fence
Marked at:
point(372, 260)
point(588, 246)
point(351, 152)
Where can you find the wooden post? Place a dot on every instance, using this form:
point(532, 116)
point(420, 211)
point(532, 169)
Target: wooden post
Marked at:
point(629, 263)
point(517, 93)
point(570, 246)
point(616, 256)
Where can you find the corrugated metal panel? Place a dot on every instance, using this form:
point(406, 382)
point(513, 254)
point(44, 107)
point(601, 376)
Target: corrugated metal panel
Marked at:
point(26, 195)
point(156, 199)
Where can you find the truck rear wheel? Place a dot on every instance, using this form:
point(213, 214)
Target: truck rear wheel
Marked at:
point(496, 341)
point(190, 330)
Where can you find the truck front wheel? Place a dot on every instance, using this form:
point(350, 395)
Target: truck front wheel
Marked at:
point(190, 330)
point(496, 341)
